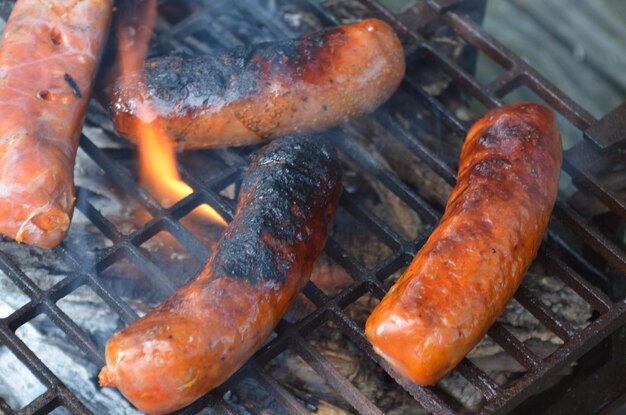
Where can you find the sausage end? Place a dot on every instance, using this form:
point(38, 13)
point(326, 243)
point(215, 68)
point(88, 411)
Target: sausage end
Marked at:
point(44, 228)
point(105, 379)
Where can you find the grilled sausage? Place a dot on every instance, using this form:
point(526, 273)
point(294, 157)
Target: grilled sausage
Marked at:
point(247, 95)
point(203, 333)
point(48, 59)
point(475, 259)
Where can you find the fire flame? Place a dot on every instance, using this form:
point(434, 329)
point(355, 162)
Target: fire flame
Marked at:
point(157, 161)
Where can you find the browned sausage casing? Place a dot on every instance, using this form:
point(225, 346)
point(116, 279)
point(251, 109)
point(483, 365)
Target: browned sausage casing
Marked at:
point(48, 60)
point(246, 95)
point(207, 330)
point(470, 267)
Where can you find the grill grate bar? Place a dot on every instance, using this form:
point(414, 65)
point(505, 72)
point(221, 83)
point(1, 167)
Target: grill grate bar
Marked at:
point(284, 397)
point(69, 401)
point(22, 315)
point(358, 273)
point(591, 183)
point(330, 309)
point(609, 250)
point(218, 403)
point(128, 251)
point(389, 236)
point(314, 294)
point(478, 378)
point(442, 5)
point(354, 293)
point(214, 401)
point(47, 401)
point(75, 333)
point(184, 236)
point(325, 16)
point(15, 274)
point(5, 408)
point(579, 163)
point(342, 257)
point(381, 12)
point(457, 73)
point(119, 306)
point(369, 166)
point(560, 327)
point(10, 340)
point(440, 166)
point(513, 346)
point(437, 108)
point(65, 286)
point(94, 215)
point(558, 244)
point(349, 392)
point(149, 269)
point(184, 206)
point(504, 84)
point(44, 304)
point(596, 298)
point(394, 263)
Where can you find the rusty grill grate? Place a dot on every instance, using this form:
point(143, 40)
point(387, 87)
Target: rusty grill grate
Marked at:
point(570, 232)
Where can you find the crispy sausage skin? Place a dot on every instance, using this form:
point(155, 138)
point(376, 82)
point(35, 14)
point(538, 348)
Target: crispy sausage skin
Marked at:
point(247, 95)
point(48, 60)
point(208, 329)
point(473, 262)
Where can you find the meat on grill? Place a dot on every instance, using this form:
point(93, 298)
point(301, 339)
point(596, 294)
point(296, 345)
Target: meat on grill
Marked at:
point(250, 94)
point(208, 329)
point(473, 262)
point(48, 59)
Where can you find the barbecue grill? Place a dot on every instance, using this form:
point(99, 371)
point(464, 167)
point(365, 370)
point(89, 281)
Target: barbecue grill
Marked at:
point(588, 256)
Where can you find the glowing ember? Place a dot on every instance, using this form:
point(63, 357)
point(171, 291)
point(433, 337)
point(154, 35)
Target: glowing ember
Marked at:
point(157, 162)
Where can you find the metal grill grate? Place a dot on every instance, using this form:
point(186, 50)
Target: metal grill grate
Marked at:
point(561, 252)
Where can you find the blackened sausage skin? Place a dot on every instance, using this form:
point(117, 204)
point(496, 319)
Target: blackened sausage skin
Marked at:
point(208, 329)
point(250, 94)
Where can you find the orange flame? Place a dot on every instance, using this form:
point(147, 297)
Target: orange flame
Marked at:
point(157, 162)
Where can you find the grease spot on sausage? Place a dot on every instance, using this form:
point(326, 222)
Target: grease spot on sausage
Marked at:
point(492, 168)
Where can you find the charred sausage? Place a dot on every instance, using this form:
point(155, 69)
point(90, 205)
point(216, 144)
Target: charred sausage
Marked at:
point(475, 259)
point(203, 333)
point(247, 95)
point(48, 60)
